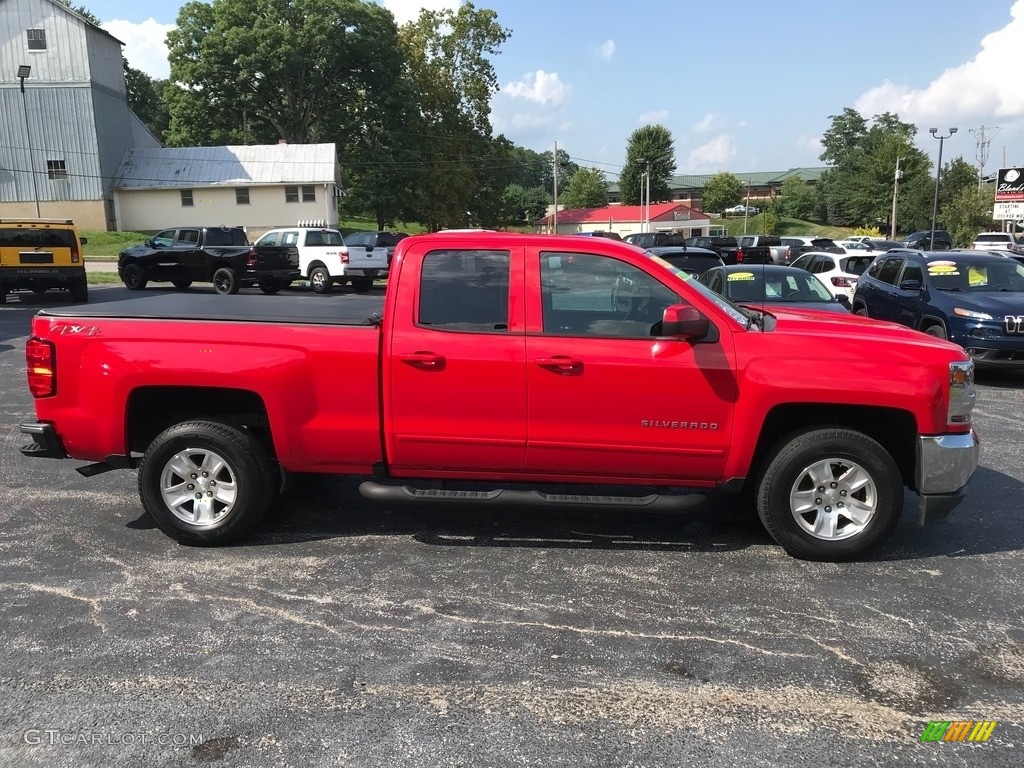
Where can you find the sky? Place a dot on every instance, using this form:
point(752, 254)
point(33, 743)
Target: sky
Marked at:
point(743, 86)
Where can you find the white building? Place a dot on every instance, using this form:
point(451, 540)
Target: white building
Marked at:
point(258, 187)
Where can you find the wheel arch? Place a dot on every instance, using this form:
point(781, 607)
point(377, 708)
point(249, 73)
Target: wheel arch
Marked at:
point(927, 321)
point(314, 264)
point(151, 410)
point(893, 428)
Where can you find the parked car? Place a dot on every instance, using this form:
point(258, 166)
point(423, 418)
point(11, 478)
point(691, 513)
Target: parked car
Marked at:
point(973, 299)
point(998, 241)
point(39, 254)
point(801, 244)
point(773, 284)
point(654, 239)
point(921, 240)
point(781, 254)
point(600, 233)
point(730, 251)
point(323, 256)
point(838, 273)
point(881, 246)
point(750, 210)
point(218, 255)
point(692, 261)
point(370, 255)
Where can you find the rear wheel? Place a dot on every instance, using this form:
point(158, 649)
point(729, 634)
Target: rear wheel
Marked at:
point(225, 281)
point(320, 280)
point(3, 294)
point(830, 494)
point(80, 292)
point(181, 285)
point(362, 284)
point(133, 277)
point(206, 483)
point(270, 287)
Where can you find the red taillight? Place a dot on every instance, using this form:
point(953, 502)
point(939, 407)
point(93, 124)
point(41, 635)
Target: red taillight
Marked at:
point(344, 255)
point(789, 255)
point(251, 261)
point(41, 367)
point(739, 255)
point(76, 255)
point(843, 282)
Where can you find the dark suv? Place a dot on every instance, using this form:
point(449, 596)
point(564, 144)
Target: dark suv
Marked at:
point(973, 299)
point(654, 239)
point(919, 240)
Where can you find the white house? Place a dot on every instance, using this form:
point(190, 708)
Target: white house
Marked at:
point(64, 117)
point(259, 187)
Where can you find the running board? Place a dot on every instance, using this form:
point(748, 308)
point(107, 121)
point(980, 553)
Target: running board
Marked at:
point(404, 494)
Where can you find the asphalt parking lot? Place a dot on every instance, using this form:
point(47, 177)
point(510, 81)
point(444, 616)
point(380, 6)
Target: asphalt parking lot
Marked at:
point(348, 634)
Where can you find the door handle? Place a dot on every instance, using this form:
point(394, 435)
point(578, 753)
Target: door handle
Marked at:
point(423, 360)
point(563, 364)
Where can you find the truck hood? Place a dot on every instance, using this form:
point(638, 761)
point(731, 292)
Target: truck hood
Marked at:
point(847, 327)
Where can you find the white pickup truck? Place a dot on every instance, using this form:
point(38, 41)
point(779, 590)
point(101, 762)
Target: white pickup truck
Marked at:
point(325, 260)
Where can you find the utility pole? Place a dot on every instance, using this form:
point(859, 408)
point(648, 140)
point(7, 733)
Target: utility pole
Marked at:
point(554, 172)
point(895, 193)
point(982, 151)
point(647, 198)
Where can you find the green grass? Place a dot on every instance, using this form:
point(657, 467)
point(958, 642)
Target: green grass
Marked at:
point(102, 278)
point(108, 244)
point(787, 226)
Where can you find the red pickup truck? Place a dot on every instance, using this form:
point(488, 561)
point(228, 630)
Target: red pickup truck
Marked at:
point(524, 369)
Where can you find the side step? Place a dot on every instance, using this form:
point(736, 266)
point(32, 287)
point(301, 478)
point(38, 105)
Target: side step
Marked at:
point(404, 494)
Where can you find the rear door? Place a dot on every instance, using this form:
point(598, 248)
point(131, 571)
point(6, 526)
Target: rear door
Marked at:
point(607, 398)
point(454, 380)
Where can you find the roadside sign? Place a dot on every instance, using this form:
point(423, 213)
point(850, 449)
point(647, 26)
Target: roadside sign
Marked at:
point(1008, 211)
point(1010, 184)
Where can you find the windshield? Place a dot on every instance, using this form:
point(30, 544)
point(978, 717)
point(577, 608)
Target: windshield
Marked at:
point(788, 288)
point(741, 316)
point(979, 276)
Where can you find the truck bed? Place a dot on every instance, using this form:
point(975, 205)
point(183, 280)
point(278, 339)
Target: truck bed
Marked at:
point(286, 307)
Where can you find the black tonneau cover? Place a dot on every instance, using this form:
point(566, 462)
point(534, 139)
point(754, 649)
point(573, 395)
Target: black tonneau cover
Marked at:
point(286, 307)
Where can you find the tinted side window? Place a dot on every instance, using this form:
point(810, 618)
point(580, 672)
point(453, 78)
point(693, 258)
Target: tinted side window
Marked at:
point(164, 238)
point(464, 291)
point(888, 270)
point(912, 271)
point(270, 238)
point(188, 237)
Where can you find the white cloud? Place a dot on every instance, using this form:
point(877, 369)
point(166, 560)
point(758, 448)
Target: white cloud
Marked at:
point(541, 87)
point(987, 85)
point(408, 10)
point(655, 116)
point(144, 44)
point(713, 154)
point(606, 50)
point(704, 125)
point(811, 142)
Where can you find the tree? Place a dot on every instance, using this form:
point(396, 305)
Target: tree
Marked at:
point(146, 99)
point(722, 191)
point(587, 188)
point(566, 169)
point(798, 199)
point(82, 11)
point(968, 213)
point(522, 206)
point(648, 147)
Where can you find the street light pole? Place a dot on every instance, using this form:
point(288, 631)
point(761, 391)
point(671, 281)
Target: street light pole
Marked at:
point(24, 71)
point(895, 194)
point(647, 197)
point(938, 175)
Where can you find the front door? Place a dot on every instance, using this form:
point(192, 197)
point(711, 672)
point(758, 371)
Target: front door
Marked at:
point(608, 398)
point(454, 380)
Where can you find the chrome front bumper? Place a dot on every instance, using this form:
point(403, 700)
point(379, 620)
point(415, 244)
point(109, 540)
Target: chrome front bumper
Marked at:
point(944, 465)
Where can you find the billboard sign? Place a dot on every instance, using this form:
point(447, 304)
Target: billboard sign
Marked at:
point(1010, 184)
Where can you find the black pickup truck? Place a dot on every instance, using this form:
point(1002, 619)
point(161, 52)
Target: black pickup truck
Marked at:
point(218, 255)
point(730, 251)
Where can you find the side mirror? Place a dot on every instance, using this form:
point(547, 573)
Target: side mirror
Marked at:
point(83, 240)
point(845, 301)
point(684, 321)
point(911, 285)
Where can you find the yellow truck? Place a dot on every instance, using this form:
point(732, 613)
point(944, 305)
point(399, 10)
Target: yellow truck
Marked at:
point(39, 254)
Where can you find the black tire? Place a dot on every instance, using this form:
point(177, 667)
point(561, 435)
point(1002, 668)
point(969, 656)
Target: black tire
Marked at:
point(3, 294)
point(133, 277)
point(39, 291)
point(936, 331)
point(181, 285)
point(80, 292)
point(225, 281)
point(320, 280)
point(270, 287)
point(861, 310)
point(196, 445)
point(362, 284)
point(785, 483)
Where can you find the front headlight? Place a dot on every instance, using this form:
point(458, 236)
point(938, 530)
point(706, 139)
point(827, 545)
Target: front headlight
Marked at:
point(961, 393)
point(960, 312)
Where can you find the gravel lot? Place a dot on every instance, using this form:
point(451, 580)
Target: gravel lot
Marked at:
point(347, 634)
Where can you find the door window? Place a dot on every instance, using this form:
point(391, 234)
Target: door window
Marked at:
point(188, 237)
point(912, 271)
point(164, 239)
point(590, 295)
point(269, 239)
point(464, 291)
point(888, 270)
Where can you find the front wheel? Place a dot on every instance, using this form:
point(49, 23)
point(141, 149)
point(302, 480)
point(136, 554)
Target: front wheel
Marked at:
point(936, 331)
point(861, 310)
point(133, 277)
point(225, 281)
point(206, 483)
point(830, 494)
